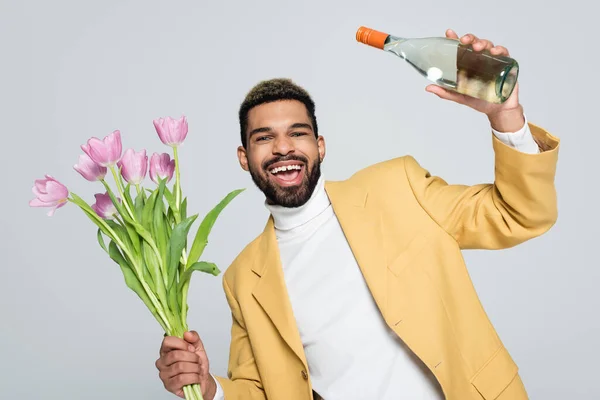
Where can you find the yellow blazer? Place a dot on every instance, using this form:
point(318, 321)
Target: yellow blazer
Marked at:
point(406, 229)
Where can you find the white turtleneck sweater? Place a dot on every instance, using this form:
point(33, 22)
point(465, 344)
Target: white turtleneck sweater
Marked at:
point(351, 352)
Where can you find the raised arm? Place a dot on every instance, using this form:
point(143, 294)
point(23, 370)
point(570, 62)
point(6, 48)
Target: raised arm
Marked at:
point(521, 203)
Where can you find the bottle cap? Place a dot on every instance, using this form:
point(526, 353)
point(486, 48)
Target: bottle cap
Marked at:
point(371, 37)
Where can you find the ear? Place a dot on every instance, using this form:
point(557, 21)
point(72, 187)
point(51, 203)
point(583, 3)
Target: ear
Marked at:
point(321, 147)
point(243, 158)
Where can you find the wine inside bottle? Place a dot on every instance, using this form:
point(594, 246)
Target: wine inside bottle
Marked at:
point(451, 64)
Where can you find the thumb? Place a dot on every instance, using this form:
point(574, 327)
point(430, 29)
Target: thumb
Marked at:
point(192, 338)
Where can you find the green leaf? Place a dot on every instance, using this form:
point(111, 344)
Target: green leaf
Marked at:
point(127, 195)
point(101, 240)
point(139, 205)
point(170, 199)
point(146, 273)
point(169, 228)
point(128, 236)
point(173, 214)
point(135, 238)
point(148, 211)
point(158, 224)
point(202, 266)
point(201, 239)
point(91, 214)
point(131, 279)
point(173, 300)
point(152, 263)
point(183, 210)
point(144, 233)
point(176, 246)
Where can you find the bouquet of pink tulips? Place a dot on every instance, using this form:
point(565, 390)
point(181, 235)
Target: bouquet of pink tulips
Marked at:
point(147, 232)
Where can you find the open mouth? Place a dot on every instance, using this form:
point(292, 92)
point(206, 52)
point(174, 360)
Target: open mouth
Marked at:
point(289, 174)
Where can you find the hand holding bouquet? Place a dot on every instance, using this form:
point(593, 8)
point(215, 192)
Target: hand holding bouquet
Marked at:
point(145, 232)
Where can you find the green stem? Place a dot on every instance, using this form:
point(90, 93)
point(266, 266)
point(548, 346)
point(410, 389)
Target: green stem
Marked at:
point(197, 391)
point(121, 191)
point(119, 220)
point(150, 242)
point(138, 271)
point(137, 189)
point(184, 294)
point(190, 393)
point(184, 289)
point(177, 179)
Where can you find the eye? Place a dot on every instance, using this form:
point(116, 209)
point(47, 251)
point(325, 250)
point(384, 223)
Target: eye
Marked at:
point(296, 134)
point(262, 138)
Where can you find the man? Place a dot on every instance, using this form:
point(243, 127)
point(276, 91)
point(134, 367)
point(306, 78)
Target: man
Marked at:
point(357, 289)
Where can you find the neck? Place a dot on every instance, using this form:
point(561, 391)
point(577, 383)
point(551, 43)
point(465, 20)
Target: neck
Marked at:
point(287, 218)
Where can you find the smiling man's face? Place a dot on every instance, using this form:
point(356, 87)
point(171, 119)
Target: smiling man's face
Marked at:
point(283, 155)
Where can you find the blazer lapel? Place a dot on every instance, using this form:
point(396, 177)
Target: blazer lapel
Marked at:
point(271, 291)
point(362, 228)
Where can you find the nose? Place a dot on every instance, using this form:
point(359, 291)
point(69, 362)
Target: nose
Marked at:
point(283, 145)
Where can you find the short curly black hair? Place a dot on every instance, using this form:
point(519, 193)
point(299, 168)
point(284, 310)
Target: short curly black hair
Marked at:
point(274, 90)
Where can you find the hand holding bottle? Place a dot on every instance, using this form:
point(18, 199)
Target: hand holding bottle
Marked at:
point(470, 71)
point(505, 117)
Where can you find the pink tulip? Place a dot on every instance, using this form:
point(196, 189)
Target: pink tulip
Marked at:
point(170, 131)
point(161, 167)
point(49, 193)
point(89, 169)
point(104, 206)
point(134, 166)
point(104, 152)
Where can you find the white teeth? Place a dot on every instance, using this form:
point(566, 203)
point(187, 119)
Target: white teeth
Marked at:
point(285, 168)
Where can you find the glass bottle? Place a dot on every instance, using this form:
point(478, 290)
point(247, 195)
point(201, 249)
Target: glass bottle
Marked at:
point(451, 64)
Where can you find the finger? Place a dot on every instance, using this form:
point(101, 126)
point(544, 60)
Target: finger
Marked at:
point(482, 44)
point(171, 343)
point(191, 337)
point(180, 368)
point(200, 351)
point(194, 340)
point(468, 38)
point(445, 94)
point(499, 51)
point(176, 384)
point(451, 34)
point(176, 356)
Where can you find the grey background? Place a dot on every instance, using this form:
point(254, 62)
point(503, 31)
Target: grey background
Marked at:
point(70, 329)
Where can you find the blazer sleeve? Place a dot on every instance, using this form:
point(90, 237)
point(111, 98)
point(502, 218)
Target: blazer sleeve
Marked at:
point(521, 203)
point(243, 380)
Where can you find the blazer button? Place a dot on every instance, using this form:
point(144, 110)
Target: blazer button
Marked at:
point(304, 375)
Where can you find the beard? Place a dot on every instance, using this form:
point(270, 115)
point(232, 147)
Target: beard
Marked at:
point(291, 196)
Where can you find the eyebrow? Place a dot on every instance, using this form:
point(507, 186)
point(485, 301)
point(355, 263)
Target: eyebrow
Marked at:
point(264, 129)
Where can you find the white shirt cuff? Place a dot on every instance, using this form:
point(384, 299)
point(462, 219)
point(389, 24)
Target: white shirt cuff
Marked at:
point(522, 140)
point(219, 395)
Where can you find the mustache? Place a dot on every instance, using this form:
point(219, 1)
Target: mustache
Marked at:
point(272, 161)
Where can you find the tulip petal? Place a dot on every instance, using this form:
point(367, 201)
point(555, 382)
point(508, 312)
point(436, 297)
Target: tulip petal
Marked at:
point(133, 166)
point(89, 169)
point(114, 145)
point(40, 186)
point(170, 131)
point(39, 203)
point(49, 193)
point(53, 210)
point(104, 152)
point(57, 190)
